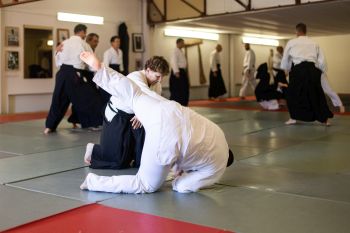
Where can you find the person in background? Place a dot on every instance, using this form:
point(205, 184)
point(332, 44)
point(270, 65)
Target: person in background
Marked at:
point(216, 83)
point(248, 71)
point(71, 85)
point(305, 97)
point(179, 83)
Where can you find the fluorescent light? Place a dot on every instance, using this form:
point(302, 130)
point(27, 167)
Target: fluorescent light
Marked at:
point(260, 41)
point(50, 42)
point(191, 34)
point(79, 18)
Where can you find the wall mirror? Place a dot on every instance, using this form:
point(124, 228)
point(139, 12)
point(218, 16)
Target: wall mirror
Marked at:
point(38, 44)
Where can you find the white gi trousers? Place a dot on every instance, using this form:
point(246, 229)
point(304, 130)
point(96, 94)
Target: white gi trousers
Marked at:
point(248, 79)
point(329, 92)
point(175, 136)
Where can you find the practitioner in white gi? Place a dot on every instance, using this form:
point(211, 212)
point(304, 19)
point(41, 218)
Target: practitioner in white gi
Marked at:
point(248, 71)
point(113, 57)
point(176, 137)
point(179, 86)
point(305, 97)
point(71, 85)
point(122, 136)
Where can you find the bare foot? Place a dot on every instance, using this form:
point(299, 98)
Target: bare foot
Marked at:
point(290, 122)
point(91, 59)
point(84, 185)
point(341, 109)
point(88, 153)
point(47, 131)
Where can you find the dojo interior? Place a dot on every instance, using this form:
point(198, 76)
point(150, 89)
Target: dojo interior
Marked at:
point(285, 178)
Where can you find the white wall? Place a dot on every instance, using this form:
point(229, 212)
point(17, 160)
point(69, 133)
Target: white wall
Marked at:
point(43, 13)
point(338, 57)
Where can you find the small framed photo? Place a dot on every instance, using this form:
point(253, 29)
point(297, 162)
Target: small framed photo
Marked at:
point(12, 60)
point(11, 36)
point(62, 34)
point(137, 43)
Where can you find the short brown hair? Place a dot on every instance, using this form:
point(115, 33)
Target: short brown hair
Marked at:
point(158, 64)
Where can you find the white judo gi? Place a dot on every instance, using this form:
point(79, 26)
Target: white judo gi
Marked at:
point(248, 72)
point(176, 136)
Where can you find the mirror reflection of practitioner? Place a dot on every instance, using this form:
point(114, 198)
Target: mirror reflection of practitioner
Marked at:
point(177, 138)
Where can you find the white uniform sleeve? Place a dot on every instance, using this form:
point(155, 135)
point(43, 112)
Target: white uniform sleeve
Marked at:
point(115, 84)
point(106, 58)
point(58, 60)
point(213, 63)
point(321, 60)
point(286, 59)
point(173, 61)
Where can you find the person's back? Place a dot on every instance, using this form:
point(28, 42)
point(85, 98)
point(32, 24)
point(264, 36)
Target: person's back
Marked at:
point(71, 52)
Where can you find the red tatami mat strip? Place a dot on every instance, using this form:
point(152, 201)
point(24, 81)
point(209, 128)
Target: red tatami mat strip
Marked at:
point(97, 218)
point(22, 117)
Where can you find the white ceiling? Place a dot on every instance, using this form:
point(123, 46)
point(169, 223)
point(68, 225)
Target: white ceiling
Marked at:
point(322, 19)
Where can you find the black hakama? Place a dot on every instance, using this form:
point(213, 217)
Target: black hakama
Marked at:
point(179, 87)
point(264, 91)
point(70, 87)
point(216, 84)
point(305, 97)
point(281, 78)
point(120, 144)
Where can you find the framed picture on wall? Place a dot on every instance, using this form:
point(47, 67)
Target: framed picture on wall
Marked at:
point(137, 43)
point(11, 36)
point(12, 60)
point(62, 34)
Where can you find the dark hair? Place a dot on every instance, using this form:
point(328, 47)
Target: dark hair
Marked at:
point(90, 36)
point(79, 28)
point(114, 37)
point(301, 27)
point(179, 40)
point(158, 64)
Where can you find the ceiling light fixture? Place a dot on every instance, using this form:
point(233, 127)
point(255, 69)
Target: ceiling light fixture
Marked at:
point(260, 41)
point(69, 17)
point(191, 34)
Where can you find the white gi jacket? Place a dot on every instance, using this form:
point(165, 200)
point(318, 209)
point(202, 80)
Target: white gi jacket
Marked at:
point(174, 135)
point(70, 55)
point(110, 56)
point(303, 49)
point(214, 60)
point(178, 60)
point(139, 78)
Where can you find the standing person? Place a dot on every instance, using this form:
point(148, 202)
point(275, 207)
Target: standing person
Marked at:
point(71, 87)
point(331, 94)
point(176, 137)
point(216, 83)
point(248, 71)
point(112, 57)
point(305, 97)
point(179, 83)
point(92, 39)
point(122, 136)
